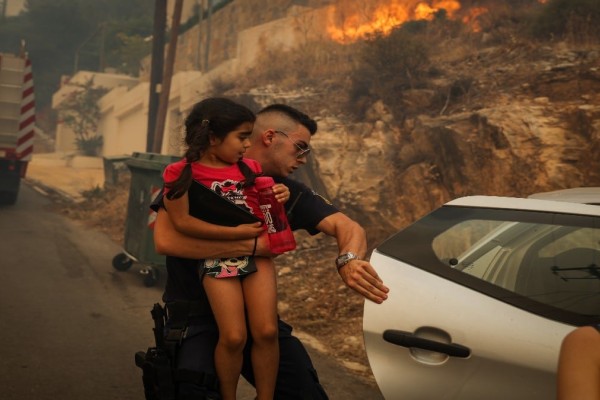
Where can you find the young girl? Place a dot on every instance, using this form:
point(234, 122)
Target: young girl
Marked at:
point(217, 136)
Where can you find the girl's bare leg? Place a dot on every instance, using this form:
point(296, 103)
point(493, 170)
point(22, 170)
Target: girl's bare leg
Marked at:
point(227, 302)
point(260, 295)
point(579, 365)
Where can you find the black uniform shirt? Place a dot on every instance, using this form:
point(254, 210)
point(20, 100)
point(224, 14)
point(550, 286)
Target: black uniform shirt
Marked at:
point(305, 209)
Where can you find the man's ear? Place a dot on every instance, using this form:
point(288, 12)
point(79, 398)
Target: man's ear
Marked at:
point(267, 137)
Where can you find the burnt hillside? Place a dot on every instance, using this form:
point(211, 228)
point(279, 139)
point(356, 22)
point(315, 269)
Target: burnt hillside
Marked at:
point(436, 110)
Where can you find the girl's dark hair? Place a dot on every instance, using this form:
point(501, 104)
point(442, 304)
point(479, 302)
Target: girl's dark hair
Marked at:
point(216, 117)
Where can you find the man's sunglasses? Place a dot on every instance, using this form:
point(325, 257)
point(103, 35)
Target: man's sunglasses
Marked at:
point(302, 147)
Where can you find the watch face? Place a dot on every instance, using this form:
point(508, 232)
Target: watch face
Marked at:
point(345, 258)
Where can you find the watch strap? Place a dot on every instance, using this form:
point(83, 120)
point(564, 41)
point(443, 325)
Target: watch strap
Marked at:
point(344, 259)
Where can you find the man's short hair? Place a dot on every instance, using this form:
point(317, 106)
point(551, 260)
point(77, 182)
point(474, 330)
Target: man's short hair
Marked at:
point(292, 113)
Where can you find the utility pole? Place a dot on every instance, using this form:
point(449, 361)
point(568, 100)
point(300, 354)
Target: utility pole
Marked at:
point(166, 85)
point(208, 20)
point(156, 69)
point(198, 63)
point(102, 61)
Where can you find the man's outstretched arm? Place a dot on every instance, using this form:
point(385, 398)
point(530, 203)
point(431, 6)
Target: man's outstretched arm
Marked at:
point(359, 275)
point(167, 240)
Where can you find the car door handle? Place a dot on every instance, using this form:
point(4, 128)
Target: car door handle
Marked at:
point(407, 339)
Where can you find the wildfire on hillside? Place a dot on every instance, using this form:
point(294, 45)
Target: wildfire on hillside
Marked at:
point(471, 18)
point(351, 20)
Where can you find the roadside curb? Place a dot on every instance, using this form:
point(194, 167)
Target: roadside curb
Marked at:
point(51, 191)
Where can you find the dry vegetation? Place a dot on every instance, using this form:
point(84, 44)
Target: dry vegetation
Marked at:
point(103, 209)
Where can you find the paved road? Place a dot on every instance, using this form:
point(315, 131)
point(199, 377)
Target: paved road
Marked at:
point(71, 323)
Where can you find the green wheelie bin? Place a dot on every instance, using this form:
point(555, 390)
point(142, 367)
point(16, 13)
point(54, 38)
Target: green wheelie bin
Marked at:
point(146, 182)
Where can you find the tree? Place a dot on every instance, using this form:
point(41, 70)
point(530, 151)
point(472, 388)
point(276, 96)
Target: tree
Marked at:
point(80, 112)
point(62, 33)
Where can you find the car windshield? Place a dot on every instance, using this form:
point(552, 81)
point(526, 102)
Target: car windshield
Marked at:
point(549, 258)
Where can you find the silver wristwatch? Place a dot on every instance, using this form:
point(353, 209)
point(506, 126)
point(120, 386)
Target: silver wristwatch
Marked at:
point(344, 259)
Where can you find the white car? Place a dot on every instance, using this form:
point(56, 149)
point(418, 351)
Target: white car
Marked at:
point(586, 195)
point(482, 292)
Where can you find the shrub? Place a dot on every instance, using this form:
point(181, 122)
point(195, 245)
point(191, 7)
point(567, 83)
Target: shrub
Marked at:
point(305, 64)
point(388, 65)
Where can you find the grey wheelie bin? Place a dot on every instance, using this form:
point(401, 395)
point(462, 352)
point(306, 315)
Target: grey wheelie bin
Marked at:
point(146, 182)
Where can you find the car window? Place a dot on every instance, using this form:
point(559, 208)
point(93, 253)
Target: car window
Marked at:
point(544, 258)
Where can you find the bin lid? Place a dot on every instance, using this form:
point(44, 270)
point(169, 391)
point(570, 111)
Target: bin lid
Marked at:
point(150, 160)
point(117, 157)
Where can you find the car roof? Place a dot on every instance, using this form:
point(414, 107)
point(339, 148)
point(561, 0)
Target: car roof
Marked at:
point(517, 203)
point(586, 195)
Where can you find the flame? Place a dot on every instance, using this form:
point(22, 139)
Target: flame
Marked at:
point(351, 20)
point(382, 18)
point(471, 18)
point(426, 11)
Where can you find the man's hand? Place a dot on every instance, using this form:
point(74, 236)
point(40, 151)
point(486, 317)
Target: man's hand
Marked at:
point(358, 275)
point(361, 277)
point(282, 193)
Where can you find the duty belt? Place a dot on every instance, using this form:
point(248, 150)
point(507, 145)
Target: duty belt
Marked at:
point(181, 312)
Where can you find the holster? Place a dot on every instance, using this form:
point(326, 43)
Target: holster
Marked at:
point(160, 374)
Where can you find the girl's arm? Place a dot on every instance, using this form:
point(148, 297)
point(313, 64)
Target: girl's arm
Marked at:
point(184, 223)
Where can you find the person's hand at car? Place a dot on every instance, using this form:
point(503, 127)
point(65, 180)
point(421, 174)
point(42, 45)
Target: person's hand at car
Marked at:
point(360, 276)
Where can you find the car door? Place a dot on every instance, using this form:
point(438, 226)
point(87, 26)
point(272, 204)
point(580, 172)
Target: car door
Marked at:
point(476, 308)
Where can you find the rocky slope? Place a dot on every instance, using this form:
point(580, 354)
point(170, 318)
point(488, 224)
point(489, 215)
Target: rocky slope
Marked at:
point(530, 123)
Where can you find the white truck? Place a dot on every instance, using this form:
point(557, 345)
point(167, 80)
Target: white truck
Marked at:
point(17, 119)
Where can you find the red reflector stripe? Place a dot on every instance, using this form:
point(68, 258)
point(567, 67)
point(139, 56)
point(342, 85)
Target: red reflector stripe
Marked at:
point(28, 121)
point(27, 92)
point(27, 107)
point(29, 135)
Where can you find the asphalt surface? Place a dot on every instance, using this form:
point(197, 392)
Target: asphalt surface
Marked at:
point(72, 323)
